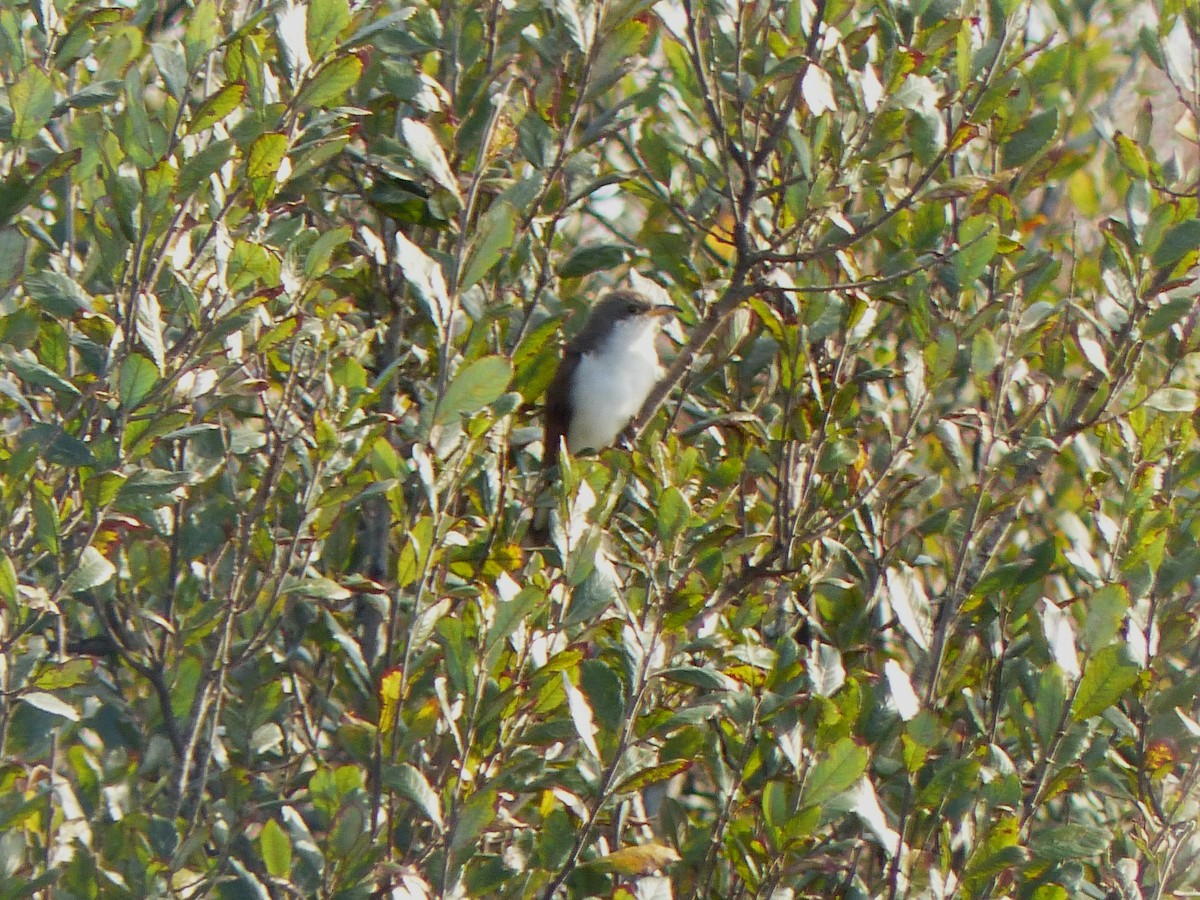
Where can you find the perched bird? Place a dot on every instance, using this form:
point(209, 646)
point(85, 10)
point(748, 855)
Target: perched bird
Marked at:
point(606, 374)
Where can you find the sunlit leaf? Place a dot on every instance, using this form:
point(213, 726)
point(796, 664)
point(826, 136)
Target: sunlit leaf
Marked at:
point(426, 278)
point(641, 859)
point(473, 387)
point(31, 97)
point(93, 570)
point(276, 850)
point(48, 703)
point(423, 144)
point(329, 84)
point(817, 89)
point(216, 107)
point(326, 20)
point(839, 767)
point(412, 785)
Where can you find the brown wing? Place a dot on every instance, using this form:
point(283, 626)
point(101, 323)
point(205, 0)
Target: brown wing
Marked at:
point(556, 419)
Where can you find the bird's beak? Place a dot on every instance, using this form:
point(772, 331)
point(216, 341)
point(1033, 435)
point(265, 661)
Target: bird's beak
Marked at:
point(661, 311)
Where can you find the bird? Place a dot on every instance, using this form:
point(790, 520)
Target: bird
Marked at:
point(607, 372)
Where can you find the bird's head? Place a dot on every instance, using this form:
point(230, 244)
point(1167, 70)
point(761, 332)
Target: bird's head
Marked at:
point(623, 310)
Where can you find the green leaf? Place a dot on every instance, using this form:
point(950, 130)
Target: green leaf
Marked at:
point(674, 512)
point(326, 20)
point(475, 815)
point(150, 328)
point(198, 168)
point(250, 263)
point(1059, 842)
point(262, 164)
point(389, 700)
point(593, 596)
point(29, 370)
point(319, 254)
point(605, 694)
point(168, 56)
point(1105, 612)
point(249, 885)
point(217, 107)
point(145, 138)
point(1132, 158)
point(45, 516)
point(653, 775)
point(1182, 239)
point(410, 784)
point(1030, 140)
point(276, 849)
point(837, 770)
point(474, 386)
point(510, 613)
point(8, 579)
point(979, 238)
point(98, 93)
point(12, 256)
point(426, 151)
point(31, 97)
point(592, 258)
point(57, 446)
point(1173, 400)
point(278, 334)
point(696, 676)
point(331, 82)
point(1165, 316)
point(57, 294)
point(775, 804)
point(494, 235)
point(24, 186)
point(201, 33)
point(837, 455)
point(136, 380)
point(1108, 675)
point(94, 570)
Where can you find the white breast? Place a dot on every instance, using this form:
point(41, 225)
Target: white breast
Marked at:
point(611, 384)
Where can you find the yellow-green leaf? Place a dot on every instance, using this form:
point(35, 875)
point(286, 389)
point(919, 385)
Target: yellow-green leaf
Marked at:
point(331, 82)
point(326, 20)
point(8, 579)
point(31, 97)
point(389, 700)
point(216, 107)
point(262, 164)
point(276, 849)
point(642, 859)
point(653, 775)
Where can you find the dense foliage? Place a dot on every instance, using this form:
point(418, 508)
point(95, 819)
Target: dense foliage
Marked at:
point(891, 593)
